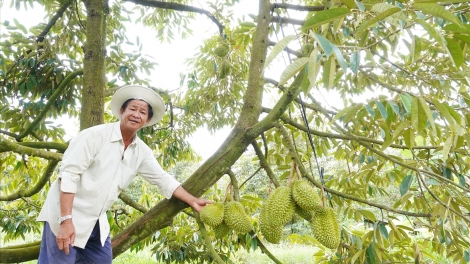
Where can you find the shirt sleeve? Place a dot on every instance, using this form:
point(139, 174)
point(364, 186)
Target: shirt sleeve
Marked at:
point(77, 158)
point(152, 172)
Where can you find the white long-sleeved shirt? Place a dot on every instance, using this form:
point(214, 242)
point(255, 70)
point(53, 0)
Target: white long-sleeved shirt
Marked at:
point(96, 168)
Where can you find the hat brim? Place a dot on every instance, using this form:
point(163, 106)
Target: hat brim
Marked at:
point(138, 92)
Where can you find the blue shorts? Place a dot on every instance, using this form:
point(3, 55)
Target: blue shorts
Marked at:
point(92, 253)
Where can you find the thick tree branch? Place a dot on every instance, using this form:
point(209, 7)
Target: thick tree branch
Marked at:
point(6, 145)
point(305, 173)
point(19, 253)
point(128, 200)
point(264, 164)
point(60, 89)
point(21, 193)
point(179, 7)
point(61, 147)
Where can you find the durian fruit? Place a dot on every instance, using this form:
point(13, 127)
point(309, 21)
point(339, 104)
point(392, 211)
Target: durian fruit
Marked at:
point(236, 218)
point(272, 233)
point(279, 208)
point(305, 195)
point(224, 69)
point(221, 51)
point(212, 214)
point(325, 227)
point(305, 214)
point(221, 230)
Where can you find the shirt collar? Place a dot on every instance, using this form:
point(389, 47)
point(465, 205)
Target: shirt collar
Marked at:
point(116, 135)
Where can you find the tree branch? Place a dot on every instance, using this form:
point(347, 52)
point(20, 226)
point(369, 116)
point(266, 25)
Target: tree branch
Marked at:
point(297, 7)
point(61, 147)
point(264, 164)
point(60, 89)
point(207, 239)
point(179, 7)
point(288, 20)
point(234, 181)
point(21, 193)
point(6, 145)
point(19, 253)
point(53, 20)
point(128, 200)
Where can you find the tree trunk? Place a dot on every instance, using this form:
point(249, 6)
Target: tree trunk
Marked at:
point(94, 78)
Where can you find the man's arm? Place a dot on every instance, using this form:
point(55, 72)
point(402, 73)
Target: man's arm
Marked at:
point(66, 234)
point(196, 203)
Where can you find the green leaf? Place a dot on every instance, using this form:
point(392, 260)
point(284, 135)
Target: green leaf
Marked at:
point(370, 110)
point(324, 44)
point(366, 24)
point(418, 117)
point(406, 184)
point(325, 16)
point(329, 72)
point(439, 11)
point(428, 113)
point(445, 114)
point(463, 38)
point(370, 254)
point(446, 148)
point(382, 109)
point(433, 32)
point(406, 100)
point(354, 62)
point(415, 48)
point(455, 52)
point(313, 67)
point(368, 214)
point(383, 230)
point(340, 58)
point(292, 69)
point(349, 3)
point(278, 48)
point(20, 26)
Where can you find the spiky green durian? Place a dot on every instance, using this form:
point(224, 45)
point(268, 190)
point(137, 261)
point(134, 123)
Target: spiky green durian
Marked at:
point(325, 227)
point(272, 233)
point(212, 214)
point(304, 195)
point(279, 208)
point(221, 230)
point(221, 51)
point(305, 214)
point(236, 218)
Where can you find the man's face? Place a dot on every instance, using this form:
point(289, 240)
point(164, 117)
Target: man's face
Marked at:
point(135, 116)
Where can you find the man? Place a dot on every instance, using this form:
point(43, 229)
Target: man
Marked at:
point(99, 163)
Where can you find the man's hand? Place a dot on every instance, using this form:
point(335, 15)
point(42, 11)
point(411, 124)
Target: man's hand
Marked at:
point(198, 204)
point(66, 236)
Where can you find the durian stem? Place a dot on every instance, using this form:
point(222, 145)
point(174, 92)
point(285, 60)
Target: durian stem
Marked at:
point(207, 239)
point(323, 197)
point(298, 172)
point(264, 249)
point(236, 191)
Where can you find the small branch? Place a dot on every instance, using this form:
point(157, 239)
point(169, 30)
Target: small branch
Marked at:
point(297, 7)
point(264, 249)
point(264, 164)
point(179, 7)
point(287, 20)
point(251, 176)
point(61, 147)
point(128, 200)
point(21, 193)
point(53, 20)
point(60, 89)
point(8, 133)
point(207, 239)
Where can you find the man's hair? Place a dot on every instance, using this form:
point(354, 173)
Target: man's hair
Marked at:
point(150, 113)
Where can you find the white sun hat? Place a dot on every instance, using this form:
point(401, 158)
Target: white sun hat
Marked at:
point(140, 93)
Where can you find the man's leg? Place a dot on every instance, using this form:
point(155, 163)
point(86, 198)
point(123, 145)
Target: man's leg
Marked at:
point(94, 253)
point(49, 252)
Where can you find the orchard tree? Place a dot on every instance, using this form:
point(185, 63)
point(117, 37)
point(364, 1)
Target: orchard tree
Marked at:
point(400, 157)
